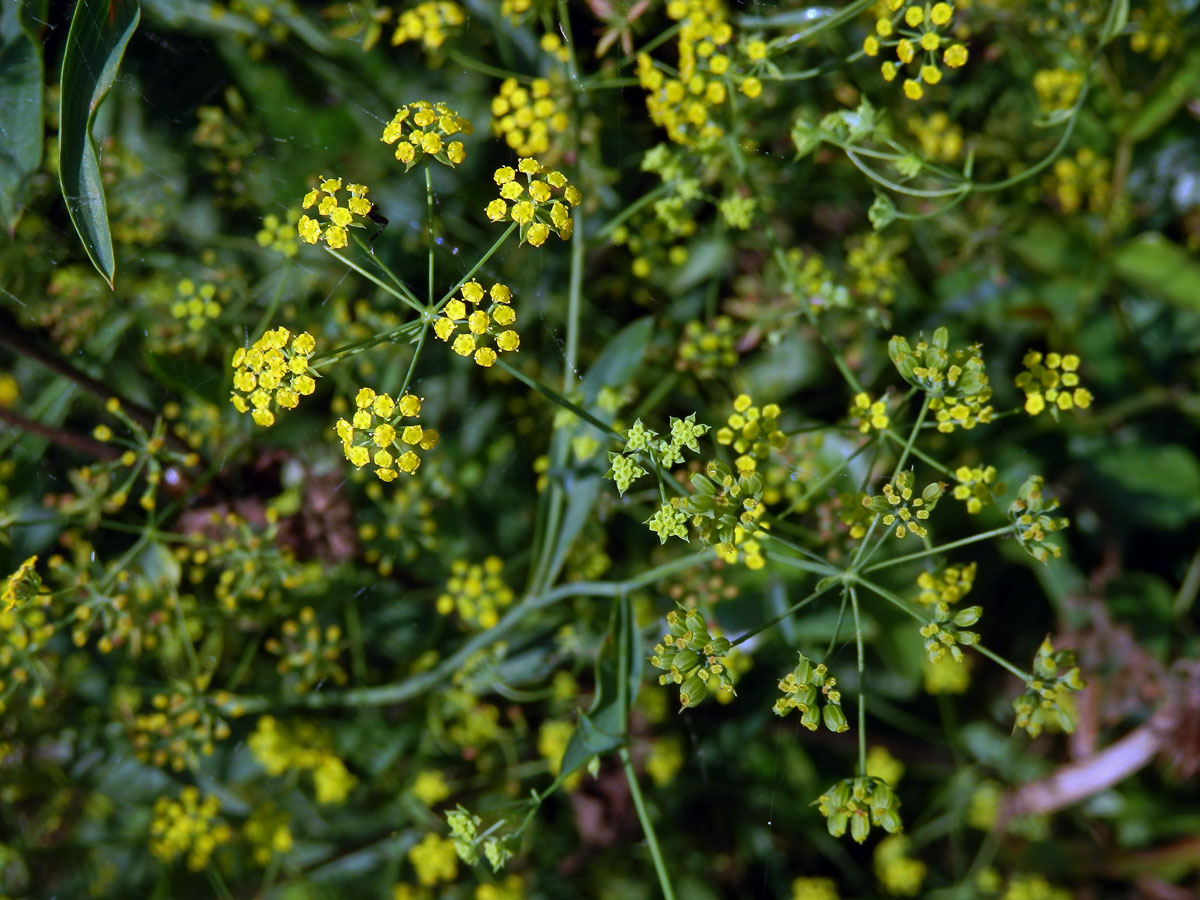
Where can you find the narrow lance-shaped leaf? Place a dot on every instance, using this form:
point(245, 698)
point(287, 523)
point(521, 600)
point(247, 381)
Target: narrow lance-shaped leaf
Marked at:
point(20, 108)
point(96, 42)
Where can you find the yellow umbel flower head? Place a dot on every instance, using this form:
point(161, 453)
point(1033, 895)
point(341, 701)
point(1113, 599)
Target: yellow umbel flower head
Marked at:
point(1051, 381)
point(427, 23)
point(918, 33)
point(188, 826)
point(378, 434)
point(526, 116)
point(481, 326)
point(273, 371)
point(540, 206)
point(22, 585)
point(340, 217)
point(420, 129)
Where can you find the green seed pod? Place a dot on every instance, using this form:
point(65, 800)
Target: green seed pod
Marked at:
point(860, 826)
point(692, 691)
point(811, 718)
point(686, 660)
point(803, 670)
point(835, 719)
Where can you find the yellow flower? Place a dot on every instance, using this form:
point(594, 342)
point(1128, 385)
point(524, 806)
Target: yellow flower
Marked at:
point(418, 129)
point(434, 859)
point(340, 217)
point(272, 371)
point(371, 436)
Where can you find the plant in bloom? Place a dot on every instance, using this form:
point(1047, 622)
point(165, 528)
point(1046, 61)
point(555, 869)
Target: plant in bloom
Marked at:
point(955, 381)
point(1057, 89)
point(434, 859)
point(803, 687)
point(22, 586)
point(307, 653)
point(1051, 381)
point(976, 486)
point(1047, 698)
point(538, 207)
point(371, 435)
point(857, 804)
point(427, 23)
point(274, 370)
point(1030, 513)
point(692, 658)
point(420, 129)
point(340, 217)
point(899, 507)
point(476, 592)
point(752, 432)
point(917, 32)
point(867, 413)
point(302, 747)
point(188, 826)
point(1079, 180)
point(526, 116)
point(480, 325)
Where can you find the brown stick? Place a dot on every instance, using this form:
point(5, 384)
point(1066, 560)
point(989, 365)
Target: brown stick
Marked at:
point(77, 442)
point(1080, 780)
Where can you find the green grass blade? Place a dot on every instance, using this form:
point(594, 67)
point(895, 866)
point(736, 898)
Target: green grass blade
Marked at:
point(20, 111)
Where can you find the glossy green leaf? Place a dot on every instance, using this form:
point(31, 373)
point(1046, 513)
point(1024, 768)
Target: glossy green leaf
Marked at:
point(95, 44)
point(21, 82)
point(1161, 268)
point(1114, 22)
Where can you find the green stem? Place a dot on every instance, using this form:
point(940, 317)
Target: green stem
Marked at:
point(574, 302)
point(862, 685)
point(919, 454)
point(403, 296)
point(822, 481)
point(963, 542)
point(795, 607)
point(475, 268)
point(660, 867)
point(1002, 662)
point(471, 62)
point(623, 216)
point(412, 366)
point(564, 21)
point(555, 397)
point(429, 224)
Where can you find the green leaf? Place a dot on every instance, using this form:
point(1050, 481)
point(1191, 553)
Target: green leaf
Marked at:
point(1114, 22)
point(1155, 110)
point(95, 44)
point(620, 359)
point(1160, 268)
point(1156, 486)
point(618, 678)
point(21, 82)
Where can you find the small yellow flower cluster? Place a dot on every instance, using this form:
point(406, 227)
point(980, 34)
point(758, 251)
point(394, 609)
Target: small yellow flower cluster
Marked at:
point(526, 117)
point(430, 787)
point(707, 350)
point(273, 371)
point(1057, 89)
point(1052, 380)
point(373, 426)
point(1079, 181)
point(306, 748)
point(752, 432)
point(940, 139)
point(1033, 887)
point(554, 736)
point(814, 889)
point(952, 585)
point(340, 217)
point(196, 304)
point(268, 831)
point(901, 508)
point(684, 105)
point(866, 413)
point(22, 586)
point(651, 244)
point(189, 826)
point(477, 592)
point(1156, 28)
point(479, 324)
point(512, 888)
point(534, 204)
point(914, 28)
point(427, 23)
point(874, 268)
point(553, 44)
point(276, 234)
point(900, 874)
point(182, 727)
point(513, 10)
point(307, 653)
point(946, 675)
point(428, 125)
point(434, 859)
point(976, 486)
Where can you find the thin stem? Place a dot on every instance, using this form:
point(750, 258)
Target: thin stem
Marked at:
point(412, 366)
point(862, 685)
point(574, 303)
point(620, 218)
point(660, 866)
point(475, 268)
point(795, 607)
point(77, 442)
point(564, 22)
point(379, 282)
point(558, 398)
point(323, 359)
point(429, 224)
point(919, 454)
point(942, 548)
point(822, 481)
point(1002, 662)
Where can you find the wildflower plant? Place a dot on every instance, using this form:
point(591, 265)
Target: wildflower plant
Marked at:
point(234, 658)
